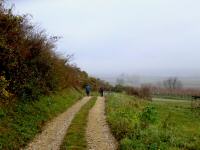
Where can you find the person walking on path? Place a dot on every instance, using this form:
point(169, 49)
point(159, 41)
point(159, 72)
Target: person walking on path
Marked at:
point(101, 91)
point(88, 89)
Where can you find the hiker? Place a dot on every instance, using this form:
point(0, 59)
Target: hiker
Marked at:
point(88, 89)
point(101, 90)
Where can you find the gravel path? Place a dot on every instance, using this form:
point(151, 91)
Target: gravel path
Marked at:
point(98, 133)
point(54, 132)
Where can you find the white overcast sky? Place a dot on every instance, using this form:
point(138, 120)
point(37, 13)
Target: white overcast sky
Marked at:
point(146, 37)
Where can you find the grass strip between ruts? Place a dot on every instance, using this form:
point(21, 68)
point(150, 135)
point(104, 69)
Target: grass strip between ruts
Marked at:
point(75, 137)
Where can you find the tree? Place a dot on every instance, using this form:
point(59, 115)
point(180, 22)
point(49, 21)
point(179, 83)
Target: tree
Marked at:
point(172, 83)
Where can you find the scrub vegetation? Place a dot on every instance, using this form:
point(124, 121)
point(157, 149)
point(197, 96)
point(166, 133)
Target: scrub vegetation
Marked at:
point(29, 65)
point(140, 124)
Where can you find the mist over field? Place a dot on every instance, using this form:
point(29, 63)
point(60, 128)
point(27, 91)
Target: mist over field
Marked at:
point(137, 80)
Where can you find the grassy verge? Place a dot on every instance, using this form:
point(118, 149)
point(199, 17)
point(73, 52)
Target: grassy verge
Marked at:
point(138, 124)
point(20, 123)
point(75, 138)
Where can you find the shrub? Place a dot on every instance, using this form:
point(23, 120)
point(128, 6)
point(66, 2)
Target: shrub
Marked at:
point(143, 92)
point(148, 115)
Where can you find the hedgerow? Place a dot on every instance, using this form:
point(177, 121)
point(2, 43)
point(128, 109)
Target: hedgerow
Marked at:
point(28, 62)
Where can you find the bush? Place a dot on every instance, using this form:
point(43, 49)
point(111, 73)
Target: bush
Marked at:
point(148, 115)
point(143, 92)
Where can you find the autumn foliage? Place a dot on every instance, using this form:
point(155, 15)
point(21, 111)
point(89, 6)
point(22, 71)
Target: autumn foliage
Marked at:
point(29, 67)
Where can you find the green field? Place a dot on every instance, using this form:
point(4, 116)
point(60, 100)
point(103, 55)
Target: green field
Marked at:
point(172, 100)
point(173, 97)
point(160, 124)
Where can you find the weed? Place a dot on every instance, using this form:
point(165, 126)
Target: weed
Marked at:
point(148, 115)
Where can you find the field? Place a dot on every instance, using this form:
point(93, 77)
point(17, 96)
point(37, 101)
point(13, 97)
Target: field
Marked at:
point(160, 124)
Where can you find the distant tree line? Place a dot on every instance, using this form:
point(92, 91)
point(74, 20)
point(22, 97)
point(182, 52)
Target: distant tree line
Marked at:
point(29, 66)
point(143, 92)
point(172, 83)
point(171, 87)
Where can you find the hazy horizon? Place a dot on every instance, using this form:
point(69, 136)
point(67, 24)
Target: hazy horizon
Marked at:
point(144, 38)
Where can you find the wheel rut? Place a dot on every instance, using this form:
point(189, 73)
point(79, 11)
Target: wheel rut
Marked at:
point(54, 131)
point(98, 133)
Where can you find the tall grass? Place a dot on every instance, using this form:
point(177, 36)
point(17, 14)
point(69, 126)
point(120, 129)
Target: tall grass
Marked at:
point(139, 124)
point(20, 123)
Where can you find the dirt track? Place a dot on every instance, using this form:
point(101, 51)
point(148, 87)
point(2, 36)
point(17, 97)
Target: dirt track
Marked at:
point(98, 133)
point(54, 132)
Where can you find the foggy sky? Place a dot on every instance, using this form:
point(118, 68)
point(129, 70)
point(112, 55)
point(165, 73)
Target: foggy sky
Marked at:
point(145, 37)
